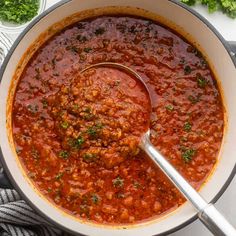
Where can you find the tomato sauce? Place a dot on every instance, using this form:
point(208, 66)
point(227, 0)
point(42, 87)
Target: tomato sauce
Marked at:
point(77, 134)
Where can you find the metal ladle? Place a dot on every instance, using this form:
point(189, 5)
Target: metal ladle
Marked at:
point(207, 213)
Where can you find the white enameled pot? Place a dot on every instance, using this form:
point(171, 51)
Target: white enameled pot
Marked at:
point(176, 16)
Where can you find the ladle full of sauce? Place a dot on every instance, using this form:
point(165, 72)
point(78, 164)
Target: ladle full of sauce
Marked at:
point(206, 212)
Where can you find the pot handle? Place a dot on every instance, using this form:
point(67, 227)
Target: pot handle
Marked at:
point(232, 45)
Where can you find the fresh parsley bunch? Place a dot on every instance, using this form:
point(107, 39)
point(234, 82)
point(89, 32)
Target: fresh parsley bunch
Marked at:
point(18, 11)
point(226, 6)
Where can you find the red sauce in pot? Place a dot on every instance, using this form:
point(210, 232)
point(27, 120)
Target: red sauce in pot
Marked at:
point(76, 135)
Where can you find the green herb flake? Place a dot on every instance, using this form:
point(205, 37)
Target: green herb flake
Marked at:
point(87, 50)
point(59, 176)
point(63, 154)
point(81, 38)
point(118, 182)
point(35, 154)
point(136, 184)
point(64, 124)
point(94, 131)
point(89, 157)
point(18, 151)
point(187, 127)
point(187, 70)
point(193, 99)
point(187, 154)
point(95, 198)
point(18, 11)
point(169, 107)
point(45, 103)
point(201, 81)
point(77, 143)
point(74, 49)
point(33, 108)
point(99, 31)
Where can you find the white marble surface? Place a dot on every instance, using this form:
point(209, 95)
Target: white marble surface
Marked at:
point(226, 204)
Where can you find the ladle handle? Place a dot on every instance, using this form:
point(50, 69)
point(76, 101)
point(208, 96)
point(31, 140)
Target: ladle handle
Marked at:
point(207, 213)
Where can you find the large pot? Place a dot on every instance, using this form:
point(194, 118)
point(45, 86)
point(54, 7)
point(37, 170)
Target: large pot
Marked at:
point(190, 25)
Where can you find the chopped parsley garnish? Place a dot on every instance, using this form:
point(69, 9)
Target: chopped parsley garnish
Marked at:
point(63, 154)
point(169, 107)
point(187, 154)
point(59, 176)
point(136, 184)
point(187, 127)
point(88, 114)
point(187, 70)
point(118, 182)
point(77, 143)
point(45, 103)
point(87, 50)
point(94, 131)
point(201, 81)
point(95, 198)
point(99, 31)
point(35, 153)
point(81, 38)
point(89, 157)
point(74, 49)
point(193, 99)
point(18, 11)
point(33, 108)
point(64, 124)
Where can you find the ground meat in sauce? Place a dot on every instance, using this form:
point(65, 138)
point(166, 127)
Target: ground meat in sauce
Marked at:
point(187, 120)
point(101, 116)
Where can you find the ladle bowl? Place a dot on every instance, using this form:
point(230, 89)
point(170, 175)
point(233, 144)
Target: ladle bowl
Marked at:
point(207, 212)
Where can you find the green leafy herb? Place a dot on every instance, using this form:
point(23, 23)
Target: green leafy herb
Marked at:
point(95, 198)
point(81, 38)
point(100, 31)
point(77, 143)
point(89, 157)
point(87, 50)
point(59, 176)
point(94, 131)
point(74, 49)
point(201, 81)
point(187, 70)
point(193, 99)
point(187, 154)
point(228, 7)
point(35, 154)
point(187, 127)
point(33, 108)
point(118, 182)
point(64, 124)
point(63, 154)
point(18, 11)
point(169, 107)
point(136, 184)
point(45, 103)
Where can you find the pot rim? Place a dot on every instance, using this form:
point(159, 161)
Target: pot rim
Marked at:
point(7, 59)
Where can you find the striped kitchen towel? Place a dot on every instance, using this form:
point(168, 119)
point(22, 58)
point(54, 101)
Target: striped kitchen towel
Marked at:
point(18, 219)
